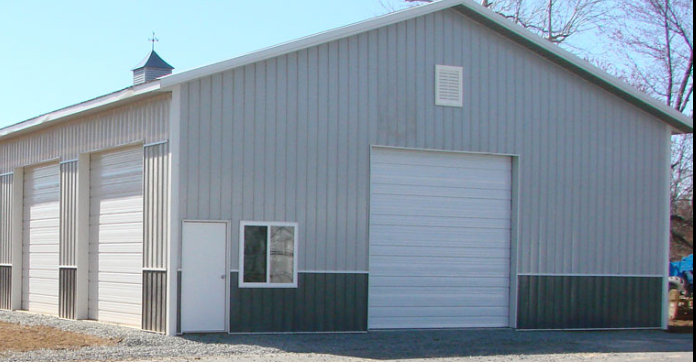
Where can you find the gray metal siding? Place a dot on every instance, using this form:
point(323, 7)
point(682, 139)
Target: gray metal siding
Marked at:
point(5, 287)
point(6, 219)
point(143, 121)
point(154, 301)
point(323, 302)
point(67, 293)
point(156, 210)
point(68, 213)
point(289, 139)
point(589, 302)
point(156, 236)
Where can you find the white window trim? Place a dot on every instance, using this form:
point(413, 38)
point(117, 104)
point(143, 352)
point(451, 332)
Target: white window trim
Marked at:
point(243, 284)
point(438, 99)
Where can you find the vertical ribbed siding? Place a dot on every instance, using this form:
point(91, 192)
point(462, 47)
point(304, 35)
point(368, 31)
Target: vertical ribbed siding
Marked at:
point(6, 219)
point(68, 293)
point(156, 236)
point(322, 302)
point(155, 301)
point(548, 302)
point(5, 287)
point(156, 208)
point(68, 213)
point(288, 139)
point(143, 121)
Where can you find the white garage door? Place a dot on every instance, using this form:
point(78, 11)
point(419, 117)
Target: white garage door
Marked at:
point(116, 237)
point(41, 239)
point(439, 240)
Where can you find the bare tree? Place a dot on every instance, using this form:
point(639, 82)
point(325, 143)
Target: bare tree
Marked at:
point(656, 38)
point(554, 20)
point(682, 196)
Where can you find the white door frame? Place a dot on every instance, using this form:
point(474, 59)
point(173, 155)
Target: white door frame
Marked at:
point(228, 235)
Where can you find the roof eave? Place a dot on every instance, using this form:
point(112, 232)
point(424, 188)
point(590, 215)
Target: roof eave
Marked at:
point(65, 114)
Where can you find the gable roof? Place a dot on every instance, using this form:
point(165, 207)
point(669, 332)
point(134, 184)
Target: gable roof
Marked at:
point(479, 13)
point(469, 8)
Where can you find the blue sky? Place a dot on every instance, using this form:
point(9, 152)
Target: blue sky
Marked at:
point(58, 53)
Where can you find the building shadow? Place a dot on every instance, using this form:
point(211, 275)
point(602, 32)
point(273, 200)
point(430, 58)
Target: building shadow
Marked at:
point(460, 343)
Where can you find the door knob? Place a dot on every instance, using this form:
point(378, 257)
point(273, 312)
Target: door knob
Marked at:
point(222, 276)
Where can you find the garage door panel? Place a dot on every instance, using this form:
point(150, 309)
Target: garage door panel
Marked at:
point(125, 318)
point(47, 306)
point(443, 173)
point(42, 286)
point(436, 191)
point(439, 312)
point(43, 223)
point(46, 273)
point(121, 263)
point(444, 252)
point(432, 268)
point(448, 159)
point(126, 312)
point(117, 207)
point(438, 208)
point(437, 224)
point(44, 248)
point(441, 322)
point(123, 278)
point(45, 302)
point(119, 293)
point(116, 247)
point(426, 301)
point(41, 261)
point(439, 240)
point(116, 236)
point(420, 179)
point(456, 282)
point(40, 249)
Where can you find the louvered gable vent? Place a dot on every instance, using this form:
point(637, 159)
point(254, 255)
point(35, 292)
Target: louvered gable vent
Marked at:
point(448, 87)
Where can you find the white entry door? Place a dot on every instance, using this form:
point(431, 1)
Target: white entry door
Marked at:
point(204, 277)
point(116, 237)
point(439, 240)
point(41, 235)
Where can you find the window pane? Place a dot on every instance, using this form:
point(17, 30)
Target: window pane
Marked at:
point(255, 240)
point(282, 254)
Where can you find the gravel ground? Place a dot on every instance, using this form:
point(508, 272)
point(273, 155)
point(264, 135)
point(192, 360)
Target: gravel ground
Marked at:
point(582, 357)
point(461, 345)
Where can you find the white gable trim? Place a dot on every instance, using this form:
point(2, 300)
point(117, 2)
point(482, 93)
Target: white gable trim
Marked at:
point(679, 120)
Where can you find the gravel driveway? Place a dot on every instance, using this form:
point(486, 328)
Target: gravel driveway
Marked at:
point(433, 346)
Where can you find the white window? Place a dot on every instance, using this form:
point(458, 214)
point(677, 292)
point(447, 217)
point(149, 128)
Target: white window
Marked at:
point(449, 86)
point(268, 255)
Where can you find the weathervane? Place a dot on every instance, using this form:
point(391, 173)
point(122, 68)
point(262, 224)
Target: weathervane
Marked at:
point(153, 40)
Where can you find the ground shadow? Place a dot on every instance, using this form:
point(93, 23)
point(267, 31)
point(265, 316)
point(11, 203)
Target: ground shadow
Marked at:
point(461, 343)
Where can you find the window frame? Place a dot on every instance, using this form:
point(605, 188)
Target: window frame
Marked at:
point(269, 225)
